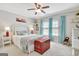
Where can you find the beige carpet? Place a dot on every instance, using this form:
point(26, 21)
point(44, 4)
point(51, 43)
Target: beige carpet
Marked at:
point(55, 50)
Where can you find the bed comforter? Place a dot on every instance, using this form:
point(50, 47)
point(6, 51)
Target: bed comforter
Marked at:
point(26, 42)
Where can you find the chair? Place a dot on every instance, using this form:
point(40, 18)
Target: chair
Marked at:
point(66, 41)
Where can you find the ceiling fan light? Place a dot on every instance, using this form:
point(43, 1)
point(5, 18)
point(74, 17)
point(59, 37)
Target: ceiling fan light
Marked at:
point(38, 10)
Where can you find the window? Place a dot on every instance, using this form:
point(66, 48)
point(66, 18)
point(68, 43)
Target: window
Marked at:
point(55, 28)
point(45, 27)
point(45, 24)
point(55, 23)
point(55, 32)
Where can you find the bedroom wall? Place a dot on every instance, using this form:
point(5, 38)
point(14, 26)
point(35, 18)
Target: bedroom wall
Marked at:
point(69, 19)
point(70, 15)
point(7, 19)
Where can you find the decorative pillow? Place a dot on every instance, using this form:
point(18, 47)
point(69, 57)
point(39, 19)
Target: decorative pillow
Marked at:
point(21, 32)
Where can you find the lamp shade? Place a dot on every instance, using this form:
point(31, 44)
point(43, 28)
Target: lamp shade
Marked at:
point(7, 28)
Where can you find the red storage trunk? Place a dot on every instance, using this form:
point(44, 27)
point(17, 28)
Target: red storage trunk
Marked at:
point(42, 44)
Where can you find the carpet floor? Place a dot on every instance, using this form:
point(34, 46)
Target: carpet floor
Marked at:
point(56, 49)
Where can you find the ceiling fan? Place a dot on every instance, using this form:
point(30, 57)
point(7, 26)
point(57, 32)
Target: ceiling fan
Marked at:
point(38, 7)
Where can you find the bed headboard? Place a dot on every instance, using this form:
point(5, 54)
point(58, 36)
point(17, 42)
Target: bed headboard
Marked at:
point(20, 29)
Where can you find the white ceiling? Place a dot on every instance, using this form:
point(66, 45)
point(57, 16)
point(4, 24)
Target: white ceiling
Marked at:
point(21, 8)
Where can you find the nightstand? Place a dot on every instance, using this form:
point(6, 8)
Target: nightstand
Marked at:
point(1, 42)
point(6, 40)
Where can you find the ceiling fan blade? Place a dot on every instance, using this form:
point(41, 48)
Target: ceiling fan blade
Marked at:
point(43, 11)
point(31, 9)
point(39, 6)
point(36, 5)
point(35, 13)
point(45, 7)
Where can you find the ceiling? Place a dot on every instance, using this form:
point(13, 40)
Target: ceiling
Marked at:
point(21, 8)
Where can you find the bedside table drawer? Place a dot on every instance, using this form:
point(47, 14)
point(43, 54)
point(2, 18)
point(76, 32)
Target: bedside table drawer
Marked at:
point(6, 40)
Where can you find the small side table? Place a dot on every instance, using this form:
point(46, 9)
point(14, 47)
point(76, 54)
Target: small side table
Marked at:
point(1, 44)
point(6, 40)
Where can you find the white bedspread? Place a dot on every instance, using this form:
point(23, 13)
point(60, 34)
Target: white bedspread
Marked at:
point(25, 42)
